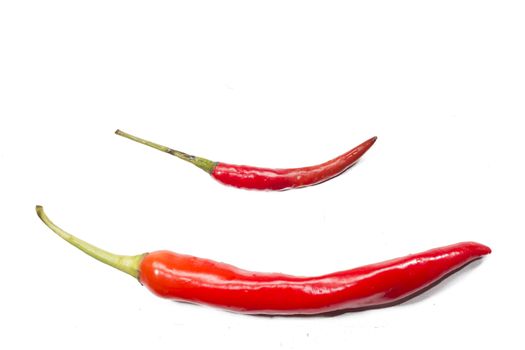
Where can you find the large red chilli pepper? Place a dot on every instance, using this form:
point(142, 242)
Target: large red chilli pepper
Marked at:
point(187, 278)
point(249, 177)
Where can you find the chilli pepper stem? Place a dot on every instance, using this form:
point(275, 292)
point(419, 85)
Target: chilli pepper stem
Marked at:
point(125, 263)
point(203, 163)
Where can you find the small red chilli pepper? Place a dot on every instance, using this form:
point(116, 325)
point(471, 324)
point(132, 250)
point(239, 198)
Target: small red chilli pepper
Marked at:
point(187, 278)
point(249, 177)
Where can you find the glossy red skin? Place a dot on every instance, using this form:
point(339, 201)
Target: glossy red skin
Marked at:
point(248, 177)
point(191, 279)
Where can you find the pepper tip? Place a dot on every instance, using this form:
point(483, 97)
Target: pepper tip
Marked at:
point(480, 249)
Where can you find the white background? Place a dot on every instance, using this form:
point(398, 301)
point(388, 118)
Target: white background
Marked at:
point(273, 83)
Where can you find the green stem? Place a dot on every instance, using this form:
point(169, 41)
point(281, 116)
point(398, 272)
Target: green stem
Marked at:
point(203, 163)
point(125, 263)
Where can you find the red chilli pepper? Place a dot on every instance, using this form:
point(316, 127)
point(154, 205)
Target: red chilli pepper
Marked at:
point(255, 178)
point(201, 281)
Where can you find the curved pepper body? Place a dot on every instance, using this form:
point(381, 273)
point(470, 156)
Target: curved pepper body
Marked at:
point(191, 279)
point(249, 177)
